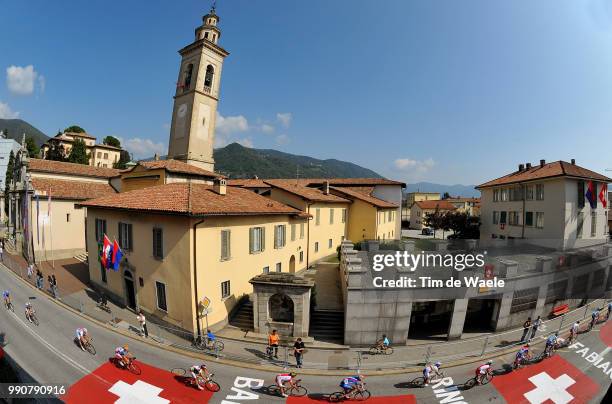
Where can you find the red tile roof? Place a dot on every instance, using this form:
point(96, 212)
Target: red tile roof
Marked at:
point(177, 166)
point(441, 205)
point(65, 189)
point(60, 167)
point(475, 200)
point(193, 200)
point(352, 181)
point(310, 194)
point(550, 170)
point(248, 183)
point(352, 194)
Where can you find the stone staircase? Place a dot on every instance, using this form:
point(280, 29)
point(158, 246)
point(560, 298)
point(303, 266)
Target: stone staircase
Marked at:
point(242, 317)
point(327, 325)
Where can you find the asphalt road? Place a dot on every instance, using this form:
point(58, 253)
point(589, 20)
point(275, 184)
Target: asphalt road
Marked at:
point(47, 352)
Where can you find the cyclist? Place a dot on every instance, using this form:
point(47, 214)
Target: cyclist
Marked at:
point(29, 310)
point(82, 337)
point(521, 355)
point(594, 318)
point(483, 370)
point(122, 354)
point(199, 370)
point(574, 330)
point(551, 344)
point(429, 369)
point(7, 298)
point(609, 311)
point(210, 338)
point(350, 383)
point(283, 378)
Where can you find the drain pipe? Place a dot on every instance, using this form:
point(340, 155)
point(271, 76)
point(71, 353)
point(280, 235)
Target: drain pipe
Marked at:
point(195, 274)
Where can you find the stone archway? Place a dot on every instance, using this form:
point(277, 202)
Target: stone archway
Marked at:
point(292, 264)
point(280, 307)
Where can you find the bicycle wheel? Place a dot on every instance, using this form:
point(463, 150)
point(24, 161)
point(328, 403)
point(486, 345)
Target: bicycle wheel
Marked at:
point(218, 345)
point(212, 385)
point(388, 350)
point(298, 391)
point(418, 382)
point(179, 371)
point(361, 395)
point(134, 368)
point(487, 378)
point(336, 397)
point(90, 348)
point(273, 390)
point(374, 350)
point(35, 320)
point(470, 383)
point(11, 307)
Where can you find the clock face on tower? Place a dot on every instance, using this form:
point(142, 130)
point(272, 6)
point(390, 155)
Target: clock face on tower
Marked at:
point(182, 111)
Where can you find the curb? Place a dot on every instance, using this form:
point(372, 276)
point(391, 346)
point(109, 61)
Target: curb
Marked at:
point(272, 369)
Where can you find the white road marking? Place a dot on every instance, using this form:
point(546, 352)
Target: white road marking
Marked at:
point(138, 393)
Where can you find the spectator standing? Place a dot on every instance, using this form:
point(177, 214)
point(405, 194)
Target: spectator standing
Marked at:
point(39, 279)
point(273, 340)
point(526, 327)
point(2, 252)
point(50, 282)
point(536, 324)
point(30, 271)
point(143, 324)
point(54, 286)
point(298, 352)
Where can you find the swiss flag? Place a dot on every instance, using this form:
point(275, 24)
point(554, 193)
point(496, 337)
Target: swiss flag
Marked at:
point(106, 252)
point(603, 195)
point(109, 384)
point(552, 380)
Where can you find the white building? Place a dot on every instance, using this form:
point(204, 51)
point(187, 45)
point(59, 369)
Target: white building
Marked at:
point(546, 203)
point(6, 146)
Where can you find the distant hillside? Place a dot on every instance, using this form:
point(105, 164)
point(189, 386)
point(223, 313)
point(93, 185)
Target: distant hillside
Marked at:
point(238, 161)
point(17, 127)
point(453, 190)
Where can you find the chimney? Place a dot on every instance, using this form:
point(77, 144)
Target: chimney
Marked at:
point(326, 188)
point(220, 186)
point(521, 167)
point(542, 162)
point(573, 162)
point(528, 165)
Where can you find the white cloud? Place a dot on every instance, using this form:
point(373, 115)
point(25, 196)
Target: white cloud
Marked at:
point(282, 139)
point(246, 142)
point(406, 164)
point(21, 80)
point(42, 83)
point(6, 112)
point(143, 148)
point(267, 129)
point(284, 118)
point(228, 125)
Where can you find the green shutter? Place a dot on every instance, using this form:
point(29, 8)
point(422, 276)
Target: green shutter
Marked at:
point(263, 238)
point(251, 241)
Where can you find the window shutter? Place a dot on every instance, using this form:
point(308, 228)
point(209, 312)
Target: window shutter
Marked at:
point(129, 241)
point(276, 236)
point(228, 247)
point(263, 238)
point(251, 230)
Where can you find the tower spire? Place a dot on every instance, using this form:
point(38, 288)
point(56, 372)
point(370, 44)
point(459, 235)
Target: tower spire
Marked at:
point(213, 7)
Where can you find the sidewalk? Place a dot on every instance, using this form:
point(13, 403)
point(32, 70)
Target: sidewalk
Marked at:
point(240, 347)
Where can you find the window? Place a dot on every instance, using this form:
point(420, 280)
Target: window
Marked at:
point(390, 215)
point(225, 245)
point(206, 35)
point(504, 194)
point(208, 78)
point(293, 232)
point(125, 236)
point(99, 155)
point(539, 192)
point(496, 195)
point(343, 215)
point(279, 236)
point(106, 155)
point(331, 216)
point(317, 217)
point(593, 224)
point(581, 194)
point(329, 243)
point(580, 225)
point(266, 270)
point(158, 243)
point(529, 192)
point(516, 193)
point(301, 256)
point(495, 217)
point(161, 296)
point(529, 219)
point(513, 218)
point(279, 267)
point(301, 231)
point(68, 217)
point(540, 220)
point(316, 246)
point(257, 239)
point(188, 75)
point(502, 217)
point(225, 289)
point(100, 229)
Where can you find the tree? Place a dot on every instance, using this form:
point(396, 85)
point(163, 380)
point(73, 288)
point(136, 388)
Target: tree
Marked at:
point(33, 149)
point(124, 158)
point(78, 153)
point(74, 129)
point(434, 220)
point(446, 195)
point(111, 141)
point(8, 180)
point(56, 152)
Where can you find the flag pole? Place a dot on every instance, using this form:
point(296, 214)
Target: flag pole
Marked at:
point(51, 234)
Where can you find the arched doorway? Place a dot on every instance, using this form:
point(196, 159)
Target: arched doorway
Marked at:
point(292, 264)
point(130, 290)
point(280, 307)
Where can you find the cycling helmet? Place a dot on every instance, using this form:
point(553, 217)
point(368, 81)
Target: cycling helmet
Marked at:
point(28, 304)
point(489, 362)
point(292, 374)
point(84, 330)
point(203, 365)
point(438, 364)
point(360, 377)
point(125, 347)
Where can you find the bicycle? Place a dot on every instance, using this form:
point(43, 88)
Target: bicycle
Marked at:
point(204, 343)
point(208, 383)
point(520, 362)
point(420, 381)
point(9, 306)
point(380, 349)
point(131, 366)
point(294, 390)
point(359, 393)
point(89, 346)
point(484, 379)
point(32, 318)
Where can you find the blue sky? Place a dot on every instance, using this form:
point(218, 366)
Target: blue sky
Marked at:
point(440, 91)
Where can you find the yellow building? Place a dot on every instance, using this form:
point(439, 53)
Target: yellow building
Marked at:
point(420, 209)
point(471, 206)
point(100, 155)
point(183, 242)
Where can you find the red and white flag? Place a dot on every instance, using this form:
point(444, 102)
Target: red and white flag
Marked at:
point(603, 195)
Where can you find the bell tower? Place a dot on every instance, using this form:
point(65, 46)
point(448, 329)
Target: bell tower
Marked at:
point(192, 133)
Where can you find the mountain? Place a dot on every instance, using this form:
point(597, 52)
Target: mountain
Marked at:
point(238, 161)
point(454, 190)
point(17, 127)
